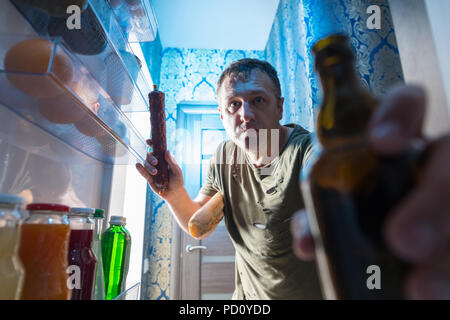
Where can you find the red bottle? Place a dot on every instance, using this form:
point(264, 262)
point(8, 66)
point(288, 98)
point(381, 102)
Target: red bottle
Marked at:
point(82, 261)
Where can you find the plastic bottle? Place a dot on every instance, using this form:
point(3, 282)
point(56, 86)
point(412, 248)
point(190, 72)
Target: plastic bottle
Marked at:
point(116, 245)
point(82, 260)
point(99, 291)
point(12, 272)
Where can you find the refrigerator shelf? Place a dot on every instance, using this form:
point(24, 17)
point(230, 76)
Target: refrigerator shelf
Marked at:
point(136, 19)
point(98, 42)
point(65, 100)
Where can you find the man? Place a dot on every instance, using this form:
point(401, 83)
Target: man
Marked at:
point(261, 189)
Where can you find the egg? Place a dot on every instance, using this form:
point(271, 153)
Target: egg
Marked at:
point(61, 109)
point(32, 57)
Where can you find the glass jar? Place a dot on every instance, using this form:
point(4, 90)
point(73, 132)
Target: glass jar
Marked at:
point(82, 261)
point(44, 248)
point(12, 272)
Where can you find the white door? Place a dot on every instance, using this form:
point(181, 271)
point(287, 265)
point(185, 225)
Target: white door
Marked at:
point(201, 269)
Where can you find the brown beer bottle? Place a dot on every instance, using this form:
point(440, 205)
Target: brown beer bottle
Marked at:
point(349, 188)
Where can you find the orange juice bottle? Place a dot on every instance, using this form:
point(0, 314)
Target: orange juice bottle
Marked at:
point(12, 272)
point(44, 249)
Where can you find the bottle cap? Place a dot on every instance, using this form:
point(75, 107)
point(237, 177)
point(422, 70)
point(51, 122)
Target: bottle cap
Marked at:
point(47, 207)
point(332, 50)
point(99, 213)
point(11, 199)
point(117, 220)
point(82, 211)
point(328, 41)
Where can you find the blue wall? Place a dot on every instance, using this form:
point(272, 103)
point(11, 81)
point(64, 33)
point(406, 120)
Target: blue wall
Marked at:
point(299, 24)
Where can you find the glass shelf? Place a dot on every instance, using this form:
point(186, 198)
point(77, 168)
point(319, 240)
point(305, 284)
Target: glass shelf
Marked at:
point(65, 100)
point(136, 19)
point(132, 293)
point(99, 44)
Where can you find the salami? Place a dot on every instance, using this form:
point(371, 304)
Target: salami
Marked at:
point(158, 130)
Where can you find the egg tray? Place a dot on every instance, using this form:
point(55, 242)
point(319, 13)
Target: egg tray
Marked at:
point(99, 44)
point(78, 112)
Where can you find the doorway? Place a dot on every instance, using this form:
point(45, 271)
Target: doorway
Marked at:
point(200, 270)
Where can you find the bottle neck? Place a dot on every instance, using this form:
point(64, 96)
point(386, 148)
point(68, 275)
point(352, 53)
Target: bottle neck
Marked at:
point(346, 106)
point(98, 225)
point(116, 227)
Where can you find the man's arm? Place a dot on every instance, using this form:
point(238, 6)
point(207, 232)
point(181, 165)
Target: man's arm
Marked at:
point(183, 207)
point(176, 196)
point(205, 220)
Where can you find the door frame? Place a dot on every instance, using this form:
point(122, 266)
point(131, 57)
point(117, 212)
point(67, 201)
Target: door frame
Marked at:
point(186, 288)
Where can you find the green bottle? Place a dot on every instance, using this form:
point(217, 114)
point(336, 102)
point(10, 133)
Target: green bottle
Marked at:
point(116, 245)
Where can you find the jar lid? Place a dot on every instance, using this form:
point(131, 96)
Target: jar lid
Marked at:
point(11, 199)
point(82, 211)
point(47, 207)
point(99, 213)
point(117, 220)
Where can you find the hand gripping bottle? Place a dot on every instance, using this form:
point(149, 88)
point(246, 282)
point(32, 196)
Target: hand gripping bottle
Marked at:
point(350, 189)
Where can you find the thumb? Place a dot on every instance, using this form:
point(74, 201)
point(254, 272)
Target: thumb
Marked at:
point(171, 160)
point(302, 239)
point(398, 119)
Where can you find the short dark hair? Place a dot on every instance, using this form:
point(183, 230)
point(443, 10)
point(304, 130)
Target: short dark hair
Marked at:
point(240, 70)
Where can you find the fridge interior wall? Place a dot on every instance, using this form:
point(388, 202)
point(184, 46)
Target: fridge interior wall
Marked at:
point(42, 168)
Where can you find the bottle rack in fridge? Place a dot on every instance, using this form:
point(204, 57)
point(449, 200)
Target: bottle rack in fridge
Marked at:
point(90, 80)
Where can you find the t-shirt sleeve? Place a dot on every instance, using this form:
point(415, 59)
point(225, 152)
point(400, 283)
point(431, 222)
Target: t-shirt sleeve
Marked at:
point(211, 185)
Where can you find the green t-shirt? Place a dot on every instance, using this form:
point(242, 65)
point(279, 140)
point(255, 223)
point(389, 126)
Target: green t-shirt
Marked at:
point(259, 203)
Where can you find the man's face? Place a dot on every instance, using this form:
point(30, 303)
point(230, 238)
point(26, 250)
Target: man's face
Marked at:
point(250, 104)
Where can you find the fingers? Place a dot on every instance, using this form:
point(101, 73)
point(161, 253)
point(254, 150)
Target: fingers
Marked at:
point(151, 159)
point(419, 229)
point(303, 242)
point(398, 119)
point(144, 172)
point(170, 159)
point(172, 163)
